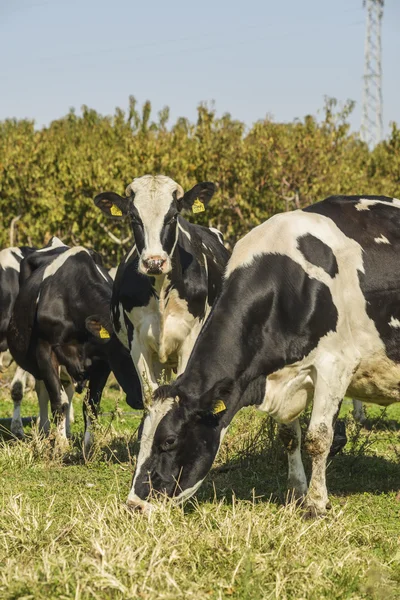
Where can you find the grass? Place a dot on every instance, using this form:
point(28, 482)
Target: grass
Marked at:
point(65, 532)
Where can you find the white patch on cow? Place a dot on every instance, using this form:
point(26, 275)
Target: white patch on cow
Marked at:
point(112, 272)
point(218, 234)
point(189, 237)
point(396, 202)
point(55, 243)
point(153, 199)
point(364, 204)
point(156, 412)
point(101, 273)
point(381, 239)
point(8, 258)
point(164, 332)
point(131, 251)
point(53, 267)
point(394, 322)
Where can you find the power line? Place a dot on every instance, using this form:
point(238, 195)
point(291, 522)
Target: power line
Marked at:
point(372, 105)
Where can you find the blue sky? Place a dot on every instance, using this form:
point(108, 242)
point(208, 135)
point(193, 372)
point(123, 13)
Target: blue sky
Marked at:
point(252, 58)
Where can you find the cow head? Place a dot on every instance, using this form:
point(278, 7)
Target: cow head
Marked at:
point(153, 204)
point(178, 444)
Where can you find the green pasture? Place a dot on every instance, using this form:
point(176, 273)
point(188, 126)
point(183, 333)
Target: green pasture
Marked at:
point(66, 533)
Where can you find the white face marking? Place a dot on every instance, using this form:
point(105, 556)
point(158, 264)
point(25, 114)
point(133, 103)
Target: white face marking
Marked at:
point(394, 323)
point(8, 258)
point(150, 424)
point(381, 239)
point(153, 198)
point(60, 260)
point(55, 243)
point(101, 273)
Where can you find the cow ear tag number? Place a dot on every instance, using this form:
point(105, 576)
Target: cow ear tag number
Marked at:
point(103, 333)
point(198, 206)
point(115, 211)
point(219, 407)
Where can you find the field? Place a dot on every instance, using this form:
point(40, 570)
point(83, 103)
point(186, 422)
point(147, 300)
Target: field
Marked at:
point(65, 532)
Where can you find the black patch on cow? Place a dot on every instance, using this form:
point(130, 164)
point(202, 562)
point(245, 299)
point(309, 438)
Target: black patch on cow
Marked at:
point(269, 314)
point(318, 253)
point(380, 282)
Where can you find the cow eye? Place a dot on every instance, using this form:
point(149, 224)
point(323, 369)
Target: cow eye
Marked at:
point(169, 443)
point(172, 220)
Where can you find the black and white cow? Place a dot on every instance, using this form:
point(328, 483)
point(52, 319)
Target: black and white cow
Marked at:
point(165, 286)
point(61, 319)
point(309, 310)
point(10, 260)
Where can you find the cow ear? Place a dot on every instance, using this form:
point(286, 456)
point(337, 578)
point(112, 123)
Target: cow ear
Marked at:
point(112, 204)
point(98, 328)
point(198, 197)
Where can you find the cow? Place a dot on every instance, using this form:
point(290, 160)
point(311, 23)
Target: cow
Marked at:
point(10, 260)
point(309, 311)
point(168, 281)
point(61, 319)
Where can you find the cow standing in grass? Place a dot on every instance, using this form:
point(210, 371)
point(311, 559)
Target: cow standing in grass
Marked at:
point(10, 261)
point(60, 325)
point(309, 311)
point(167, 283)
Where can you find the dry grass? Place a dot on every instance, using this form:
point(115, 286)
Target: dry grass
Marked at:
point(65, 531)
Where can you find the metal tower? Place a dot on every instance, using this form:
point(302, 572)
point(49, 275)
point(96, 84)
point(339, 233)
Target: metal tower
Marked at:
point(372, 118)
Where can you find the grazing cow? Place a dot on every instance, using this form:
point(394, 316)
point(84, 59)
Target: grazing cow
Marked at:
point(10, 260)
point(168, 281)
point(61, 319)
point(309, 310)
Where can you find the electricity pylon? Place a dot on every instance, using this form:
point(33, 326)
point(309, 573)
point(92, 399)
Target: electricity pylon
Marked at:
point(372, 111)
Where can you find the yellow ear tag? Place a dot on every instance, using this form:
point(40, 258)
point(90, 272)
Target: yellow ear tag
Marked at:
point(115, 211)
point(219, 407)
point(198, 206)
point(103, 333)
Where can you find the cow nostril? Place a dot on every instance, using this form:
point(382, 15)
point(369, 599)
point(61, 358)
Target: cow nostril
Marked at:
point(139, 506)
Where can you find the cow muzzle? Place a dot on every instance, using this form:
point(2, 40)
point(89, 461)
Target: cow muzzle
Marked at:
point(138, 505)
point(154, 265)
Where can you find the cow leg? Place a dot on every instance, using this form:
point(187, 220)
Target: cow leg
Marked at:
point(290, 435)
point(144, 367)
point(48, 366)
point(98, 378)
point(68, 392)
point(17, 393)
point(43, 398)
point(359, 412)
point(330, 387)
point(68, 389)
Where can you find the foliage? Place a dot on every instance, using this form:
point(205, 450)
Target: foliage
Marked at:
point(49, 176)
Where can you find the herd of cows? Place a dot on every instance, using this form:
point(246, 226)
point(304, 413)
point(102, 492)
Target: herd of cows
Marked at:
point(307, 308)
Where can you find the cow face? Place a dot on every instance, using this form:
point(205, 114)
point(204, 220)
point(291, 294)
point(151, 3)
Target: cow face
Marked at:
point(153, 205)
point(177, 448)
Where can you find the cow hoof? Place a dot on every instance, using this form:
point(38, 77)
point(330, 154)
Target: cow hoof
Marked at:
point(311, 512)
point(17, 430)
